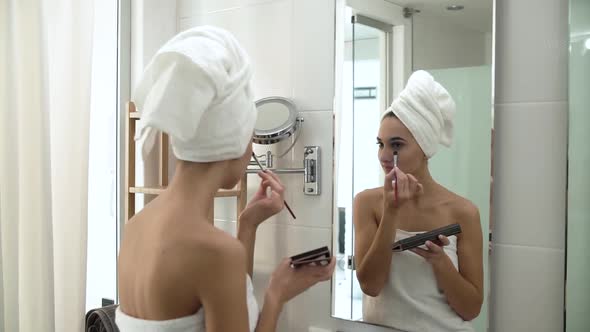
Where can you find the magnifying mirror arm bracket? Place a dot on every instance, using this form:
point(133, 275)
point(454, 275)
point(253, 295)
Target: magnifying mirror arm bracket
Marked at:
point(310, 170)
point(267, 160)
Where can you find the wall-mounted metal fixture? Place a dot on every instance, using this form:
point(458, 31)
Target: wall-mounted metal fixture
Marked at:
point(455, 7)
point(311, 163)
point(365, 92)
point(310, 170)
point(267, 160)
point(409, 12)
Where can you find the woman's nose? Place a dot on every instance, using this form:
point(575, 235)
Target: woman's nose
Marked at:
point(385, 157)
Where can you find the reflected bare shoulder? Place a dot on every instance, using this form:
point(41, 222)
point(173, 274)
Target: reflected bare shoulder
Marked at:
point(370, 195)
point(370, 200)
point(464, 210)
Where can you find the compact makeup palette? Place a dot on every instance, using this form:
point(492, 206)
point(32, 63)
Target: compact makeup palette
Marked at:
point(419, 239)
point(320, 256)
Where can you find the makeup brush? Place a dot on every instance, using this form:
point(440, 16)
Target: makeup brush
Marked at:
point(264, 170)
point(395, 174)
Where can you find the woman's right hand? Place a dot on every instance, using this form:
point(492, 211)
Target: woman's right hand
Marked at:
point(408, 188)
point(265, 203)
point(287, 282)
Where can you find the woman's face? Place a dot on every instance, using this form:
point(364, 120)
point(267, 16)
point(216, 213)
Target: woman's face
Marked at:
point(237, 168)
point(394, 136)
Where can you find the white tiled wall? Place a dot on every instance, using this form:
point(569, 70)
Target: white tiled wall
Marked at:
point(529, 282)
point(530, 147)
point(531, 51)
point(287, 41)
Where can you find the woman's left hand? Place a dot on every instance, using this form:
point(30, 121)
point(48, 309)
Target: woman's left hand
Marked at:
point(264, 204)
point(435, 252)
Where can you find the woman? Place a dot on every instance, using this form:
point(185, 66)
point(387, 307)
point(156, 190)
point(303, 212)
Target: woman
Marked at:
point(438, 287)
point(177, 272)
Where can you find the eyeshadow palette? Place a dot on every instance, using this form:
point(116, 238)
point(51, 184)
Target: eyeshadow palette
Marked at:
point(320, 256)
point(419, 239)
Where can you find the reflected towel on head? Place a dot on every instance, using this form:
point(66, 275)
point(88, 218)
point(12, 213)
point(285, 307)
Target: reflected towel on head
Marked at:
point(197, 90)
point(427, 110)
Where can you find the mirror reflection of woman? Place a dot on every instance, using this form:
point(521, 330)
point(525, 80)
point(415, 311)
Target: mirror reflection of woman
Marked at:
point(439, 286)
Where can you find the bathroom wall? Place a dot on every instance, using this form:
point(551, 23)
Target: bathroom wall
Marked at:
point(530, 166)
point(578, 210)
point(435, 44)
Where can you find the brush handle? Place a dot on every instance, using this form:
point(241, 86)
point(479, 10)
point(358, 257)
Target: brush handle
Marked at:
point(395, 177)
point(395, 187)
point(264, 170)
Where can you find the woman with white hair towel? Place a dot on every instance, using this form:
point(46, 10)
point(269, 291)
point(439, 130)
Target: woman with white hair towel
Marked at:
point(177, 271)
point(438, 286)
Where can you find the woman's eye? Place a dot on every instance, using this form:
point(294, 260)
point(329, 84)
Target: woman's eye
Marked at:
point(380, 145)
point(396, 145)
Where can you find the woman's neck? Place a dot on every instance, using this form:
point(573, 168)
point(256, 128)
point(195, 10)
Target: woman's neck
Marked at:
point(425, 178)
point(195, 185)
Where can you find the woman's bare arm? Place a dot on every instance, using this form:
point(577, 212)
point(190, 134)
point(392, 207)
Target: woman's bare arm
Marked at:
point(464, 288)
point(221, 287)
point(372, 244)
point(222, 291)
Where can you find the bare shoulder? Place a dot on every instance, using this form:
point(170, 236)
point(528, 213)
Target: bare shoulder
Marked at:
point(212, 251)
point(366, 206)
point(217, 246)
point(369, 195)
point(466, 214)
point(464, 210)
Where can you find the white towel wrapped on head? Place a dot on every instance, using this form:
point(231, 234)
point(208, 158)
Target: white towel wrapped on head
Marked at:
point(427, 110)
point(197, 90)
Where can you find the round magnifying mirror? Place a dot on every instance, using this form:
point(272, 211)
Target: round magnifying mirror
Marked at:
point(277, 120)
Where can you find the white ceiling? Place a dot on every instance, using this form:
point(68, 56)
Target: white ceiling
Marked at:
point(476, 15)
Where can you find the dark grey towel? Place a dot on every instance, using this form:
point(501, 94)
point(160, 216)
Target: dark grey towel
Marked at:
point(102, 319)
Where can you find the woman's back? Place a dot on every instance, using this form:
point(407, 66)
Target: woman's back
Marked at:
point(162, 260)
point(167, 258)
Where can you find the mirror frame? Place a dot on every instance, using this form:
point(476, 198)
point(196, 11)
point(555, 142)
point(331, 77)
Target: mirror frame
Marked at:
point(397, 86)
point(284, 130)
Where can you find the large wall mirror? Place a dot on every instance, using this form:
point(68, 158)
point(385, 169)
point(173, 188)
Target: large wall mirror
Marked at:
point(379, 44)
